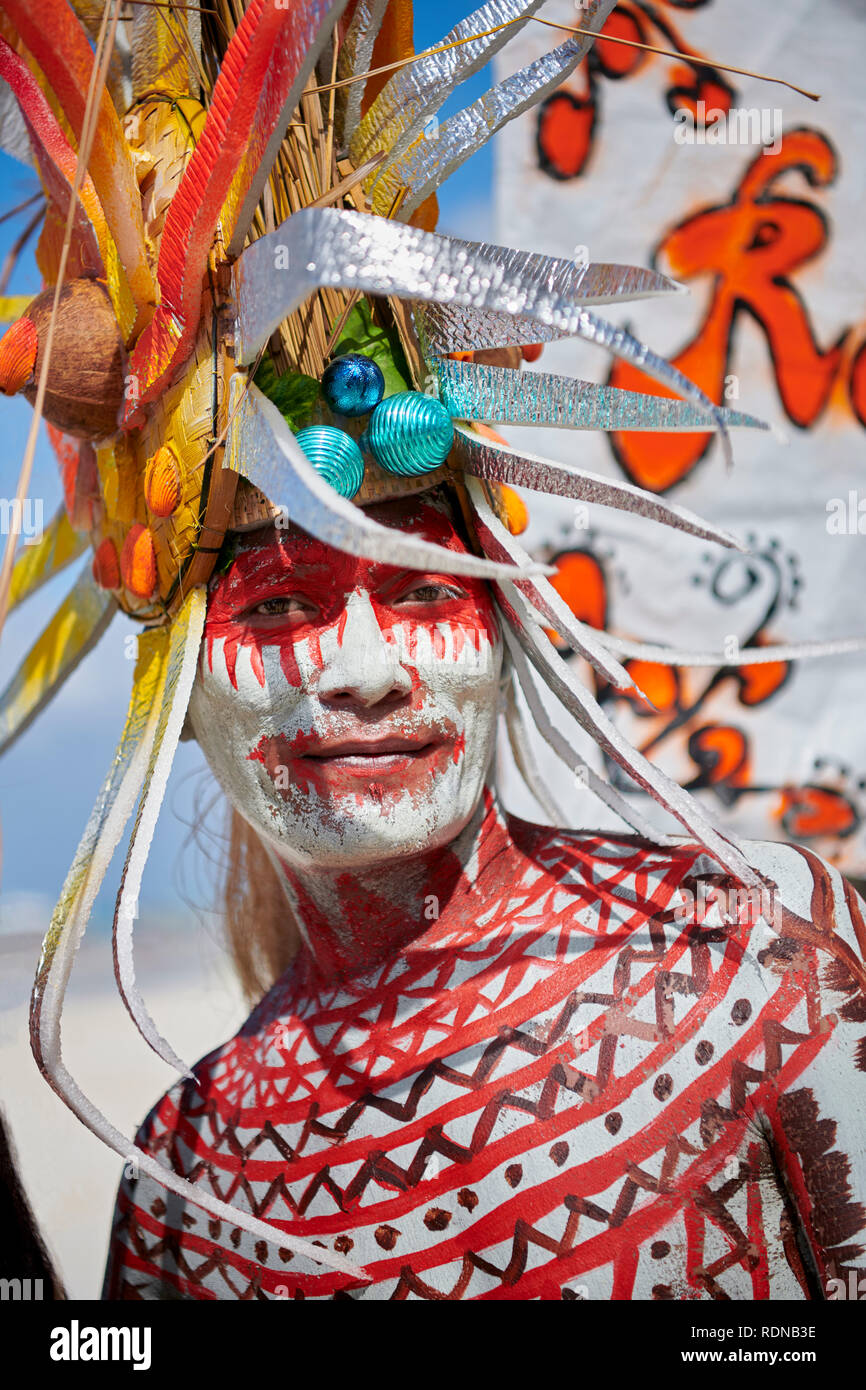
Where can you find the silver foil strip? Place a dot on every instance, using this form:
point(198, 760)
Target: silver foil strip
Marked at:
point(560, 745)
point(355, 57)
point(445, 328)
point(499, 545)
point(417, 91)
point(524, 758)
point(476, 391)
point(428, 162)
point(591, 717)
point(184, 642)
point(745, 656)
point(350, 250)
point(501, 464)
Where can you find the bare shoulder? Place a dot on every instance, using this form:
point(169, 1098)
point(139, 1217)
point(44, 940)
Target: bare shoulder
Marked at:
point(799, 889)
point(805, 888)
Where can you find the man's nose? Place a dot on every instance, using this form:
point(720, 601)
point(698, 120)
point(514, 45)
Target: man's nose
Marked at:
point(362, 668)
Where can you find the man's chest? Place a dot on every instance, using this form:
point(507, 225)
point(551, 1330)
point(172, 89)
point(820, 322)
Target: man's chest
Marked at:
point(578, 1121)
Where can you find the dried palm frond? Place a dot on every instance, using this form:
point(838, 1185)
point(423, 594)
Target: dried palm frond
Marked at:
point(307, 169)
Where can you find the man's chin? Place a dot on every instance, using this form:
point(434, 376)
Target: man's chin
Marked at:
point(361, 839)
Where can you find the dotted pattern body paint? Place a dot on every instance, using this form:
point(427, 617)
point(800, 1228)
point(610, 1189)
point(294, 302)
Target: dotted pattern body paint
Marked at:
point(559, 1090)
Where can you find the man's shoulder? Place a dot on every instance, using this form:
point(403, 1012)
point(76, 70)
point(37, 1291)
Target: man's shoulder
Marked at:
point(794, 877)
point(781, 861)
point(804, 885)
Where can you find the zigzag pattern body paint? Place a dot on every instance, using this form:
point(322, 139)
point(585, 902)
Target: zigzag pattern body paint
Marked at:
point(558, 1090)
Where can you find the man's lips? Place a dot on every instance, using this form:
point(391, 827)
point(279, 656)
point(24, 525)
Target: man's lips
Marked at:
point(403, 762)
point(366, 749)
point(370, 759)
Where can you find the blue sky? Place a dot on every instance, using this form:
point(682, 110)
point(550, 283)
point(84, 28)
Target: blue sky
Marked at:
point(49, 779)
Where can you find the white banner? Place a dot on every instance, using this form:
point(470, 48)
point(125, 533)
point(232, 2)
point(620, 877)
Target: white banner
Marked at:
point(752, 197)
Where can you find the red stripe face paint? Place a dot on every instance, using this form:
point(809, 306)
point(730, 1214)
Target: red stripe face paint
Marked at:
point(348, 707)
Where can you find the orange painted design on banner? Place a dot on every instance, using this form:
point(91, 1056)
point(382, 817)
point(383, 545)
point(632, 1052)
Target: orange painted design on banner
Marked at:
point(722, 754)
point(568, 121)
point(719, 751)
point(659, 683)
point(807, 812)
point(579, 581)
point(750, 246)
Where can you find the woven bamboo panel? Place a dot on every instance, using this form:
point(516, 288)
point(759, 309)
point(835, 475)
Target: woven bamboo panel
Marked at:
point(161, 132)
point(379, 486)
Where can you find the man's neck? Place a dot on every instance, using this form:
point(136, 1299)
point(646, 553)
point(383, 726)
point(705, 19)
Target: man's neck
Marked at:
point(353, 919)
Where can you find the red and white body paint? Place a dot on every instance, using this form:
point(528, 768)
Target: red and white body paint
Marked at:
point(358, 726)
point(509, 1061)
point(558, 1090)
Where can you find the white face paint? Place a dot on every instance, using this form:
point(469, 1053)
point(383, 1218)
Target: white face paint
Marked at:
point(348, 709)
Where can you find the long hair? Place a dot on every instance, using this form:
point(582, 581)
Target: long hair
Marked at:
point(261, 932)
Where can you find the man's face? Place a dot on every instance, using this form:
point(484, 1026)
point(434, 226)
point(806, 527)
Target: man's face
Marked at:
point(348, 708)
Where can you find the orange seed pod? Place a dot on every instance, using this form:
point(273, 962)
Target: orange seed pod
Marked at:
point(162, 482)
point(18, 348)
point(106, 566)
point(138, 561)
point(516, 513)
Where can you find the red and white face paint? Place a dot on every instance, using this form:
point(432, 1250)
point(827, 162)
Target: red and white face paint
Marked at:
point(348, 708)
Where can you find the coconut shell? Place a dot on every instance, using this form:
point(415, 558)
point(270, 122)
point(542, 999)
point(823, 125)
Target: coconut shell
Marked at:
point(85, 385)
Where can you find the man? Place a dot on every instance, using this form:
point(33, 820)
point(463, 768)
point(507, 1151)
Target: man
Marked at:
point(507, 1061)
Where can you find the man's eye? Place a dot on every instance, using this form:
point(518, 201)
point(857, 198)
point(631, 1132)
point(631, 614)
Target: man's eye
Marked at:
point(430, 593)
point(283, 607)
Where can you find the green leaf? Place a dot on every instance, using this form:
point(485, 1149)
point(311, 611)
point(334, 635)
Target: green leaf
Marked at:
point(294, 394)
point(360, 334)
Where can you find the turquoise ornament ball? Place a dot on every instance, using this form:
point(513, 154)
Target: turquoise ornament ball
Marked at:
point(409, 433)
point(335, 455)
point(353, 385)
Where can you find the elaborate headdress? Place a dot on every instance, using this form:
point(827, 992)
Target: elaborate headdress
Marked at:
point(236, 196)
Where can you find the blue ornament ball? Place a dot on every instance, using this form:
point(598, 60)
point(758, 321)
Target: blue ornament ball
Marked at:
point(409, 433)
point(353, 385)
point(335, 455)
